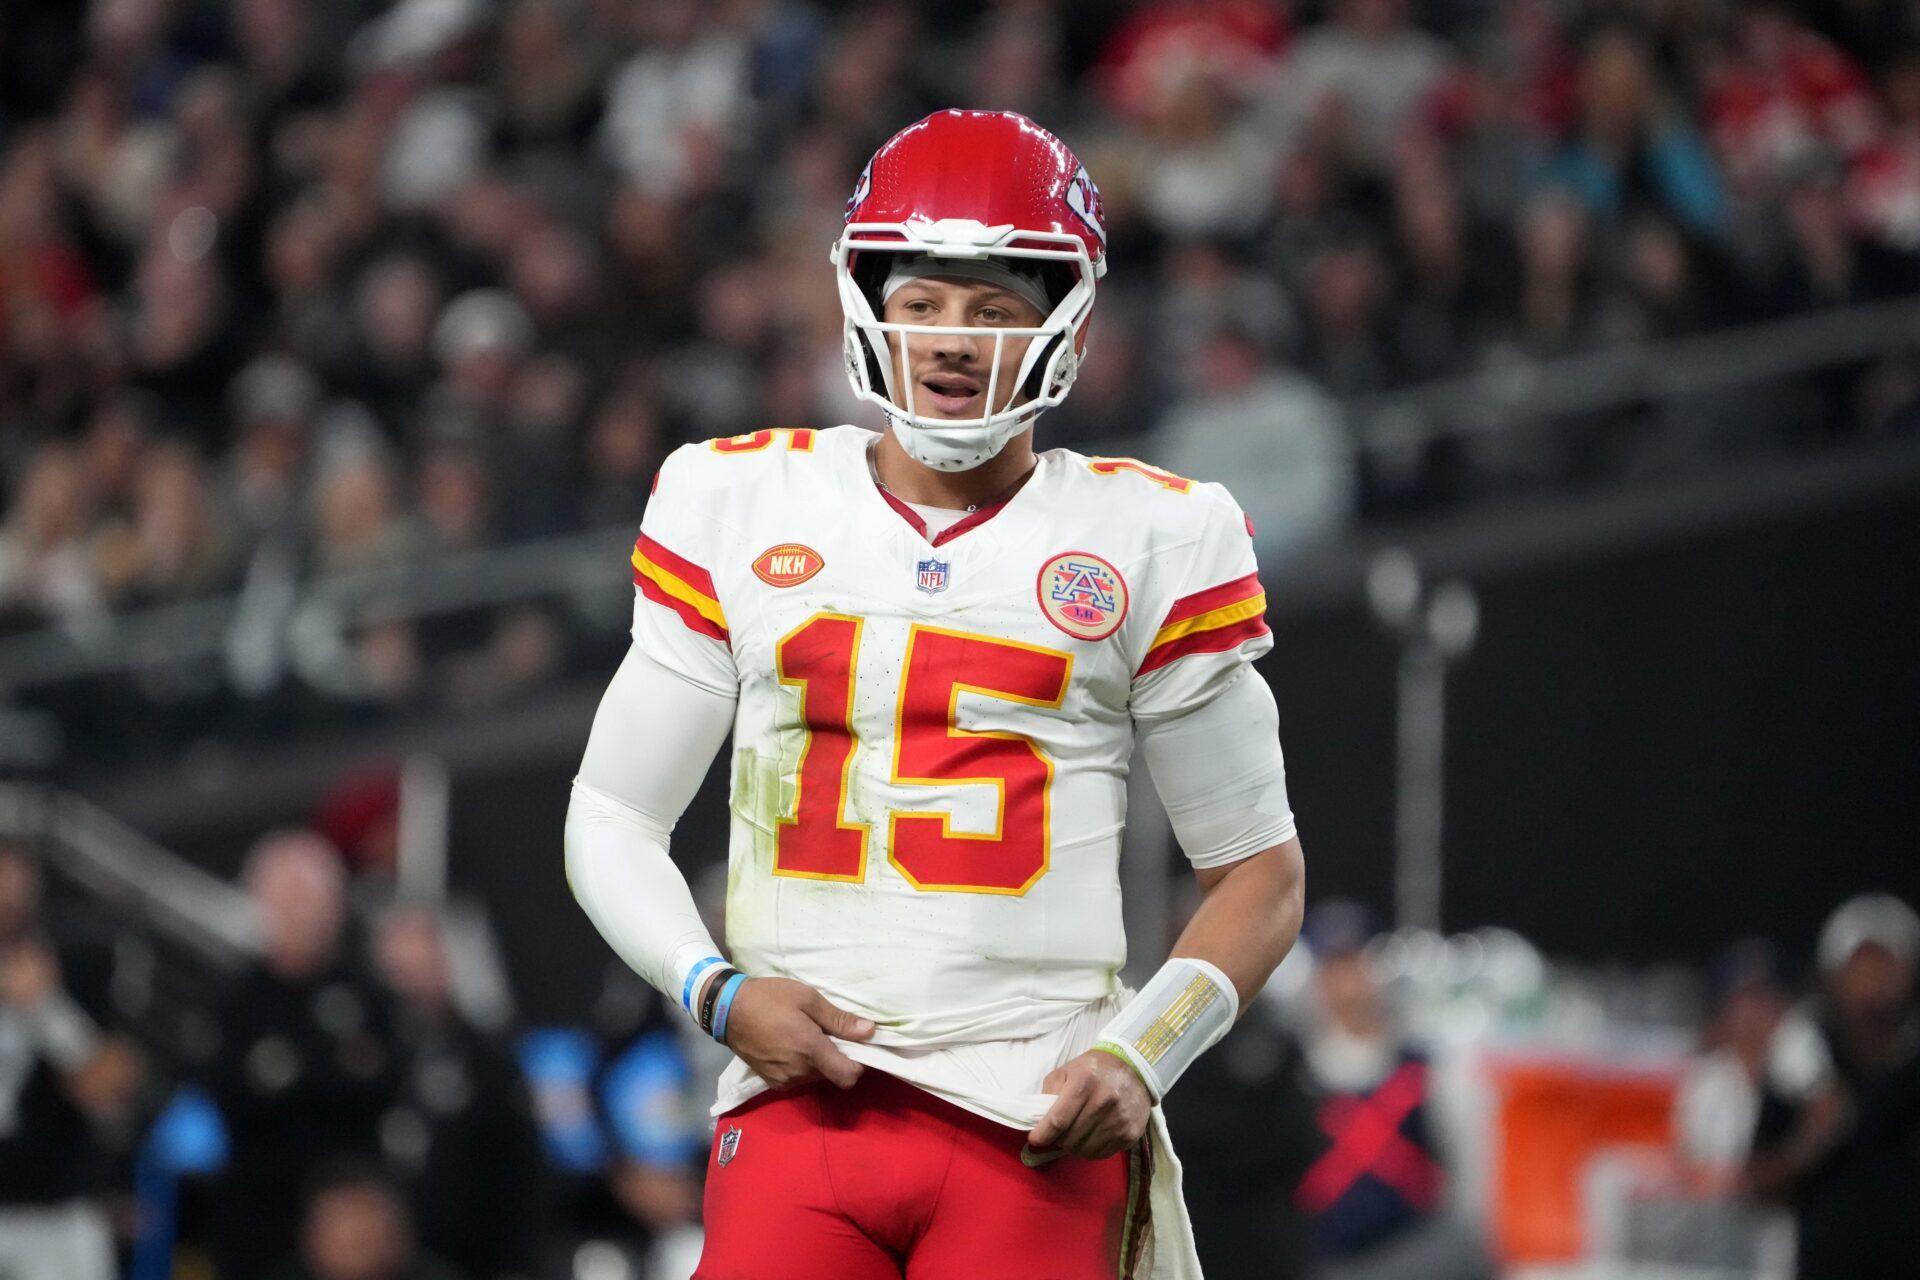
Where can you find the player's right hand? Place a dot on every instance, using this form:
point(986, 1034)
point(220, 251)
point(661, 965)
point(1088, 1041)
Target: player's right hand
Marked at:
point(780, 1028)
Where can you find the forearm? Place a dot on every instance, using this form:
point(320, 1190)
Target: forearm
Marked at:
point(625, 880)
point(1249, 916)
point(63, 1032)
point(1779, 1171)
point(1220, 774)
point(1223, 780)
point(97, 1069)
point(652, 741)
point(79, 1052)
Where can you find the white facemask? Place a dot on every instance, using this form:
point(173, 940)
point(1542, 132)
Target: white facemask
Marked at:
point(952, 448)
point(1052, 355)
point(958, 447)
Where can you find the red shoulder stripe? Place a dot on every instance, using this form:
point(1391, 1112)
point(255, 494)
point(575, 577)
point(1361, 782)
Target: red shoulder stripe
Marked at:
point(1212, 598)
point(1218, 640)
point(682, 568)
point(687, 613)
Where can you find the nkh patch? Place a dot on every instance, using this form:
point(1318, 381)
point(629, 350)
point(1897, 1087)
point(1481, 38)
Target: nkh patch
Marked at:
point(1082, 595)
point(729, 1144)
point(788, 565)
point(932, 576)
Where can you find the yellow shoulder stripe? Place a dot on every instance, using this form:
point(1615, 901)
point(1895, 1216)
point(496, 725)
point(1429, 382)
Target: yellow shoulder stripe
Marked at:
point(1252, 607)
point(701, 603)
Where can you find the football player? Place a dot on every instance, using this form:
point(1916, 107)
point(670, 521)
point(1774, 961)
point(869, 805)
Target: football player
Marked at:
point(937, 652)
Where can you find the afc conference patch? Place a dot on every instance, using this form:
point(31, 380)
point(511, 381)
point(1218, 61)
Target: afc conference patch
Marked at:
point(1082, 595)
point(932, 577)
point(729, 1145)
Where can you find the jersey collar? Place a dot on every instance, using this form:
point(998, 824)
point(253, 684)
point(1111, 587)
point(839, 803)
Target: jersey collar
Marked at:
point(972, 520)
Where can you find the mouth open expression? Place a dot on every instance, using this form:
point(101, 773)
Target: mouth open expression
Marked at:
point(951, 395)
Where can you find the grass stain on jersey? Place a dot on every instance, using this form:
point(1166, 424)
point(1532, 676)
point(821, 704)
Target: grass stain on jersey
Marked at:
point(754, 803)
point(755, 800)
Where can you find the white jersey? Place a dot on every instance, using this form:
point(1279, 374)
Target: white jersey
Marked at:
point(932, 736)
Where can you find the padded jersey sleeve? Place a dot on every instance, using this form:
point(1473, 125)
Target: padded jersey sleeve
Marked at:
point(678, 618)
point(1215, 624)
point(1220, 773)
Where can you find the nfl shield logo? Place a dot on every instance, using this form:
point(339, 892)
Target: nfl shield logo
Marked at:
point(933, 576)
point(729, 1144)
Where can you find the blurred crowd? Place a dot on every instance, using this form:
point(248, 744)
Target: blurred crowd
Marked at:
point(1410, 1088)
point(290, 290)
point(334, 1109)
point(338, 1110)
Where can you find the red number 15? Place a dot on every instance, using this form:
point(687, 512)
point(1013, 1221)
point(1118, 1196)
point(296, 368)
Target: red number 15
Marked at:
point(820, 656)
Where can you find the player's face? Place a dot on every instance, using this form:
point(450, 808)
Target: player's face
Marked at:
point(950, 372)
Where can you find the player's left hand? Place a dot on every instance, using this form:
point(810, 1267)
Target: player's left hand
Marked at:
point(1102, 1108)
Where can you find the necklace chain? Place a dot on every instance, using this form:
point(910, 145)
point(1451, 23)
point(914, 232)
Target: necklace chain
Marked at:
point(873, 469)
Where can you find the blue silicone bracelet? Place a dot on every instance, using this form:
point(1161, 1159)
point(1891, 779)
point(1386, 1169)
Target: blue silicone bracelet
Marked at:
point(693, 976)
point(724, 1005)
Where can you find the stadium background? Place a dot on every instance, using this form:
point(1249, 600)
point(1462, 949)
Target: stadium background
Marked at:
point(338, 344)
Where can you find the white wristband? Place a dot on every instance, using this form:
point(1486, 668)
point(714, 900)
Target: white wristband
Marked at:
point(1182, 1012)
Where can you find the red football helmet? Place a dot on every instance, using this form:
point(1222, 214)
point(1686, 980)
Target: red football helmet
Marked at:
point(980, 187)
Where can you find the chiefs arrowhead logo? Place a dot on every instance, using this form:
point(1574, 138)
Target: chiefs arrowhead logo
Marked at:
point(787, 565)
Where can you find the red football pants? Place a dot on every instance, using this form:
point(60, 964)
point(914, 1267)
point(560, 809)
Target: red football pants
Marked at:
point(884, 1181)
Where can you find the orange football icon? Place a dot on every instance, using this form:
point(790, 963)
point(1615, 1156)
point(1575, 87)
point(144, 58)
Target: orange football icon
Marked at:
point(787, 565)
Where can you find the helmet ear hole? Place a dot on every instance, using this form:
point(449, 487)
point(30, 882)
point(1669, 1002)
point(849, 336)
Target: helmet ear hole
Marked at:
point(869, 271)
point(870, 347)
point(1036, 384)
